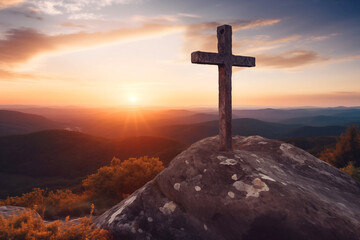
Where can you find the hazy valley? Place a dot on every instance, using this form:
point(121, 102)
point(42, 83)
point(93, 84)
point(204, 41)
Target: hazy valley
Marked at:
point(52, 148)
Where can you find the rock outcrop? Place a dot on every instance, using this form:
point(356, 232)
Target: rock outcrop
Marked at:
point(264, 189)
point(7, 211)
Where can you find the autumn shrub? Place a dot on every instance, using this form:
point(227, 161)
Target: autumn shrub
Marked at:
point(352, 171)
point(346, 153)
point(347, 149)
point(109, 185)
point(113, 183)
point(26, 226)
point(50, 204)
point(34, 200)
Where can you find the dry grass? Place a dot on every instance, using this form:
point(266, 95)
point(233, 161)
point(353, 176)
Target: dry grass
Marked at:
point(26, 226)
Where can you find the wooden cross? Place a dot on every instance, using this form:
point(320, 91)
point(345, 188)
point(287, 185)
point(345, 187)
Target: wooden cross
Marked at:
point(225, 60)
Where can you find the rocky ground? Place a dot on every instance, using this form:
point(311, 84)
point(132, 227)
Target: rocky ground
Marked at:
point(263, 189)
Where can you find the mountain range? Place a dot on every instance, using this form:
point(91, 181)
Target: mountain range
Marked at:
point(114, 123)
point(61, 146)
point(14, 122)
point(57, 158)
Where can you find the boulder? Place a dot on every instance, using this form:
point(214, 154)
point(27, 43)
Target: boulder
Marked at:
point(263, 189)
point(7, 211)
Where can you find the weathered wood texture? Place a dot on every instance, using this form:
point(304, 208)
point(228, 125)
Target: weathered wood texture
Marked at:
point(225, 60)
point(218, 59)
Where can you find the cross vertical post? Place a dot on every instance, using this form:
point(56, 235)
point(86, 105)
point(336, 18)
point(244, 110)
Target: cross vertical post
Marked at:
point(225, 60)
point(224, 35)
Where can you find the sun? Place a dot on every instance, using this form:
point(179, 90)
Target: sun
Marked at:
point(133, 99)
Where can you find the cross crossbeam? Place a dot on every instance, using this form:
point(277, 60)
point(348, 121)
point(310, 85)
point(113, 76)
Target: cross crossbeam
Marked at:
point(219, 59)
point(225, 60)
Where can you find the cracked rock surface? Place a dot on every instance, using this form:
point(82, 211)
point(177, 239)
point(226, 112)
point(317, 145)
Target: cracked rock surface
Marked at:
point(263, 189)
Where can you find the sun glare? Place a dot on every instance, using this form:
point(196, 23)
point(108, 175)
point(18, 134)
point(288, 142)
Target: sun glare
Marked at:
point(132, 99)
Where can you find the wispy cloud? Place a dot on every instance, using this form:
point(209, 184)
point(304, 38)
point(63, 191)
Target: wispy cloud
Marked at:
point(20, 45)
point(248, 24)
point(199, 37)
point(261, 43)
point(6, 75)
point(156, 19)
point(85, 16)
point(290, 59)
point(72, 25)
point(188, 15)
point(29, 12)
point(54, 7)
point(299, 58)
point(321, 37)
point(10, 3)
point(349, 58)
point(161, 19)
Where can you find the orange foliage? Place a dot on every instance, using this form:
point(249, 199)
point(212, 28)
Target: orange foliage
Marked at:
point(51, 204)
point(346, 154)
point(352, 171)
point(26, 226)
point(347, 149)
point(108, 186)
point(122, 177)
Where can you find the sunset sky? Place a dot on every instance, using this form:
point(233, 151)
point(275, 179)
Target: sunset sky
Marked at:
point(137, 52)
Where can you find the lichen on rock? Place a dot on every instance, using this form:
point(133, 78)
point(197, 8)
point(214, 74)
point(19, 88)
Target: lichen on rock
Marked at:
point(262, 189)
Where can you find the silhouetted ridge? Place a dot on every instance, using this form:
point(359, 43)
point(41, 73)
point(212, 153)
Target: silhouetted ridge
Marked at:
point(65, 156)
point(13, 122)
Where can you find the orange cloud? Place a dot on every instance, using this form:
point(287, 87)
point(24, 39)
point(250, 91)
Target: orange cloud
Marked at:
point(264, 43)
point(289, 59)
point(199, 37)
point(321, 38)
point(69, 24)
point(10, 3)
point(9, 75)
point(20, 45)
point(157, 19)
point(162, 18)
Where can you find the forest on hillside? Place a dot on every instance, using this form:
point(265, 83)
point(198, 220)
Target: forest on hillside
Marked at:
point(114, 182)
point(86, 175)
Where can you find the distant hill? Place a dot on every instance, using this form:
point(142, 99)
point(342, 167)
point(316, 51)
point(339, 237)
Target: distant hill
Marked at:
point(244, 126)
point(322, 121)
point(313, 145)
point(276, 115)
point(136, 123)
point(125, 122)
point(190, 133)
point(308, 131)
point(13, 122)
point(58, 157)
point(189, 119)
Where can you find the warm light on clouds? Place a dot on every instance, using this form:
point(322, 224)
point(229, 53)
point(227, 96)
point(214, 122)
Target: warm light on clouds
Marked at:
point(55, 7)
point(10, 3)
point(69, 24)
point(289, 59)
point(138, 51)
point(10, 75)
point(21, 45)
point(261, 43)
